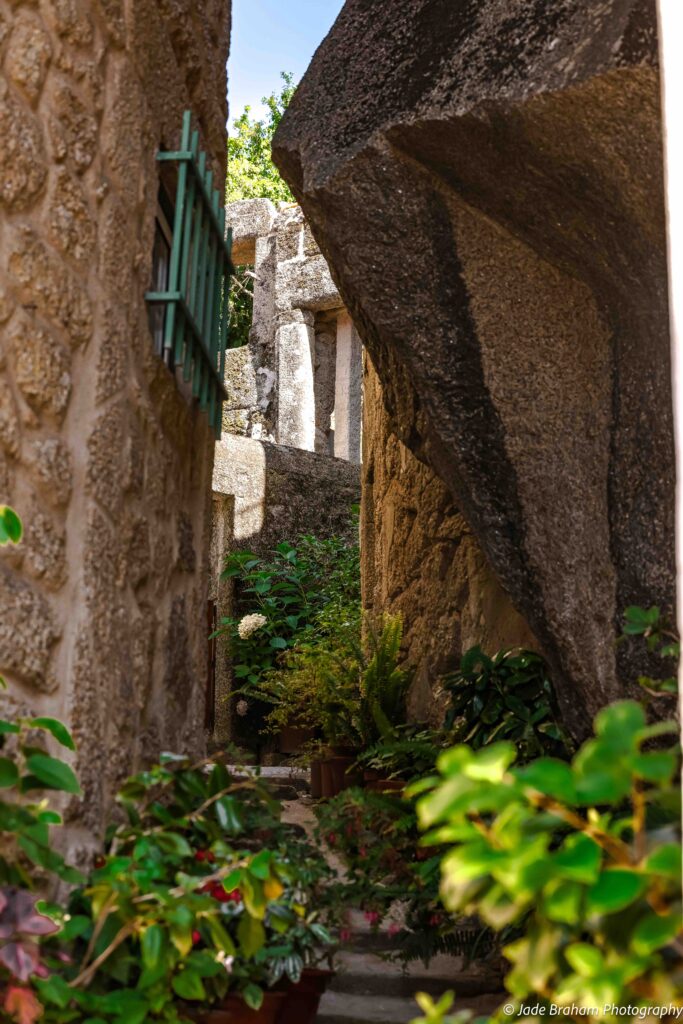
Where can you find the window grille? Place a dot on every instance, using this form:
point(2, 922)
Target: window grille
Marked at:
point(196, 296)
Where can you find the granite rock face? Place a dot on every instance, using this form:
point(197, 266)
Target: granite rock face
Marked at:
point(485, 180)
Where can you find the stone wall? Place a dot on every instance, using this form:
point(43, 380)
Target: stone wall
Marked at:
point(104, 603)
point(298, 382)
point(495, 224)
point(419, 557)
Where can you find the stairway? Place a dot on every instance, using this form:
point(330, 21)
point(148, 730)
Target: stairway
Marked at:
point(369, 990)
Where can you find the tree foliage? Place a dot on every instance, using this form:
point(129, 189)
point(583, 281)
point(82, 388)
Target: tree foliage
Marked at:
point(251, 171)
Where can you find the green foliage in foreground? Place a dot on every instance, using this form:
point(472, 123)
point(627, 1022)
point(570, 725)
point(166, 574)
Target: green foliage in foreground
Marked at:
point(584, 858)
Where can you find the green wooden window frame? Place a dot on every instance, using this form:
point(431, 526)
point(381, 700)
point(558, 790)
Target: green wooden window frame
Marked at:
point(196, 333)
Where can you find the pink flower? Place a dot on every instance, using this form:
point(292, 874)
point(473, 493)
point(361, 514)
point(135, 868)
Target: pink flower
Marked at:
point(394, 929)
point(345, 935)
point(372, 917)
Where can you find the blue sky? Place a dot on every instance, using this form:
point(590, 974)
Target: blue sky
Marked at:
point(270, 36)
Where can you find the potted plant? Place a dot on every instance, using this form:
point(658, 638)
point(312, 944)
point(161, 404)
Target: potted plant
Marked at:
point(178, 917)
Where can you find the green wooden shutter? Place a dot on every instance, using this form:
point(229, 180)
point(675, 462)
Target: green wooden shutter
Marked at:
point(197, 298)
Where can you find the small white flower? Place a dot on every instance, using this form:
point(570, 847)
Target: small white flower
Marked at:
point(227, 961)
point(250, 624)
point(242, 707)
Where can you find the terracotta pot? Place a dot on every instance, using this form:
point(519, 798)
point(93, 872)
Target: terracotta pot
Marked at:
point(233, 1010)
point(292, 739)
point(341, 777)
point(327, 779)
point(303, 1000)
point(316, 780)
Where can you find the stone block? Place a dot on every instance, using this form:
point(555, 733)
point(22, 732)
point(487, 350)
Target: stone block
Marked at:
point(249, 220)
point(28, 55)
point(23, 169)
point(44, 280)
point(52, 466)
point(41, 368)
point(71, 224)
point(27, 633)
point(10, 435)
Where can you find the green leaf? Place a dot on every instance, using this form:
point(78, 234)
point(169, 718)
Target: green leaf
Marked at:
point(279, 643)
point(563, 902)
point(585, 959)
point(665, 861)
point(251, 935)
point(10, 526)
point(615, 889)
point(253, 996)
point(152, 945)
point(654, 932)
point(8, 727)
point(578, 859)
point(188, 985)
point(173, 843)
point(57, 728)
point(491, 763)
point(228, 814)
point(654, 767)
point(260, 865)
point(9, 773)
point(54, 991)
point(53, 773)
point(551, 777)
point(620, 723)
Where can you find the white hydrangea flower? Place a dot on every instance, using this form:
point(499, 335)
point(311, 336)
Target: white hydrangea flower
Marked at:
point(250, 624)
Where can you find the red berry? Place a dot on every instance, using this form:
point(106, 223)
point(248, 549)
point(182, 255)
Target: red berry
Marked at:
point(210, 857)
point(332, 839)
point(196, 937)
point(99, 861)
point(200, 855)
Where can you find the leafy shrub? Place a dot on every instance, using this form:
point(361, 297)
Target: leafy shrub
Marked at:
point(289, 590)
point(506, 697)
point(180, 909)
point(577, 854)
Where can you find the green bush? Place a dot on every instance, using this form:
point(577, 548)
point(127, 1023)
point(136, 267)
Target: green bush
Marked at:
point(584, 857)
point(506, 697)
point(201, 892)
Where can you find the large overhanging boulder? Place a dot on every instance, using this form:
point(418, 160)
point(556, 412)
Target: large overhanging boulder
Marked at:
point(485, 180)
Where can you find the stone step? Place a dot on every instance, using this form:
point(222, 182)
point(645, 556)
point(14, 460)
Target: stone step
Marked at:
point(343, 1008)
point(364, 974)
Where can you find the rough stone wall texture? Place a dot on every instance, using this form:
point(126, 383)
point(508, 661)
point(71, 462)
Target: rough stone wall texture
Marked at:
point(280, 492)
point(268, 392)
point(419, 557)
point(485, 180)
point(109, 466)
